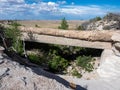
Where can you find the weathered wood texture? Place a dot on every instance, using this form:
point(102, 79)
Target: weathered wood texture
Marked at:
point(94, 35)
point(65, 41)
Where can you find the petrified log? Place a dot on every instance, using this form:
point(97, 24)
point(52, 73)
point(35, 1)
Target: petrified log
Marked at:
point(94, 35)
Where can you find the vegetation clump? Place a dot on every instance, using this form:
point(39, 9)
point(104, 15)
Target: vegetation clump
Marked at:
point(14, 23)
point(95, 19)
point(64, 25)
point(85, 62)
point(76, 73)
point(59, 57)
point(11, 37)
point(35, 58)
point(112, 16)
point(80, 27)
point(58, 64)
point(37, 26)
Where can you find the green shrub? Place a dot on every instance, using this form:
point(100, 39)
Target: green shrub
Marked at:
point(14, 23)
point(37, 26)
point(34, 58)
point(98, 18)
point(85, 63)
point(95, 19)
point(64, 24)
point(80, 27)
point(18, 46)
point(76, 73)
point(12, 34)
point(58, 64)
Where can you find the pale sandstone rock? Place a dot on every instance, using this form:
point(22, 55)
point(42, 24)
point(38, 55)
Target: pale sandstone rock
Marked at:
point(109, 22)
point(110, 65)
point(116, 37)
point(14, 76)
point(1, 51)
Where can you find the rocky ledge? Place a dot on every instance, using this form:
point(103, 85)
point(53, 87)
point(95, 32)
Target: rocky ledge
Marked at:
point(14, 76)
point(109, 22)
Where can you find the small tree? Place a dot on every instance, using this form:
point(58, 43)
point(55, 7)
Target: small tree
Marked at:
point(11, 36)
point(64, 24)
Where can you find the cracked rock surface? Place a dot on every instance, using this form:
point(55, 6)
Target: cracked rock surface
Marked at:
point(14, 76)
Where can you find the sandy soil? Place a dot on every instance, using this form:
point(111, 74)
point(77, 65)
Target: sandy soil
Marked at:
point(50, 23)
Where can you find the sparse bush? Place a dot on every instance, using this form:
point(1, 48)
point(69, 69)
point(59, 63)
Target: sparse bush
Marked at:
point(14, 23)
point(58, 64)
point(37, 26)
point(18, 46)
point(80, 27)
point(14, 34)
point(11, 37)
point(85, 63)
point(35, 58)
point(95, 19)
point(64, 24)
point(76, 73)
point(98, 18)
point(112, 16)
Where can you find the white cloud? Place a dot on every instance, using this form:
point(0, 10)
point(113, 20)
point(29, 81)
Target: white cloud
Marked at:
point(61, 2)
point(22, 6)
point(20, 9)
point(81, 10)
point(51, 3)
point(12, 1)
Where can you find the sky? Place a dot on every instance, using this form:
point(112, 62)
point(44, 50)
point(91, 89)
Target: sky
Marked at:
point(56, 9)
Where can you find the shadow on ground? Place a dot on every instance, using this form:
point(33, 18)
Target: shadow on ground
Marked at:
point(39, 71)
point(36, 69)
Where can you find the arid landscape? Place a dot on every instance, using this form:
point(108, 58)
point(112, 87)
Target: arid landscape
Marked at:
point(59, 45)
point(64, 54)
point(50, 23)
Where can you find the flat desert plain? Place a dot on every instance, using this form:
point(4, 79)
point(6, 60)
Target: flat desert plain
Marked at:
point(50, 23)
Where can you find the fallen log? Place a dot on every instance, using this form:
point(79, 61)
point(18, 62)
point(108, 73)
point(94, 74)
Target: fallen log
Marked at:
point(93, 35)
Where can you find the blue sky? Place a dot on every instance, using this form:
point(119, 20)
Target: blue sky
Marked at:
point(56, 9)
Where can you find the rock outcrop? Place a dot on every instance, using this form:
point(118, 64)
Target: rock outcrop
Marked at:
point(109, 22)
point(110, 60)
point(14, 76)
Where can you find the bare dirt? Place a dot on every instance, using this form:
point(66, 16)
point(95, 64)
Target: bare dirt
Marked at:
point(50, 23)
